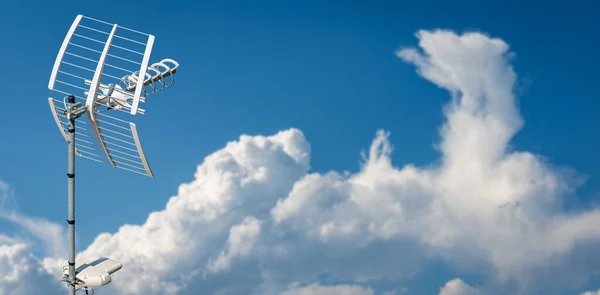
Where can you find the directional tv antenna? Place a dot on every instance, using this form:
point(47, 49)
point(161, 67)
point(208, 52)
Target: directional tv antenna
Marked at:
point(103, 74)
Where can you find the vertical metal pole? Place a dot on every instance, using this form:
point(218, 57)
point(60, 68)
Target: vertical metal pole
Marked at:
point(71, 191)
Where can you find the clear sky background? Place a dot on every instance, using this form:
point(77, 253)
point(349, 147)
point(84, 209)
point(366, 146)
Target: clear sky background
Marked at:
point(328, 68)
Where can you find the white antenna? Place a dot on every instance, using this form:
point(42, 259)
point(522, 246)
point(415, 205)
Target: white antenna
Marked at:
point(106, 67)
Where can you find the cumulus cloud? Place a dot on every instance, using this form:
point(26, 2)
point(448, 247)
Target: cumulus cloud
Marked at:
point(239, 244)
point(592, 292)
point(212, 221)
point(21, 272)
point(254, 215)
point(51, 235)
point(458, 287)
point(482, 207)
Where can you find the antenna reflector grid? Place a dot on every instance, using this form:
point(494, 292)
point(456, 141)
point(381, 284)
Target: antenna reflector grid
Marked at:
point(92, 62)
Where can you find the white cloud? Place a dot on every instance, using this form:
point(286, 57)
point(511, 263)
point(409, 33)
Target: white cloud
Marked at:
point(239, 244)
point(253, 215)
point(21, 272)
point(592, 292)
point(458, 287)
point(51, 235)
point(483, 204)
point(6, 195)
point(316, 289)
point(234, 188)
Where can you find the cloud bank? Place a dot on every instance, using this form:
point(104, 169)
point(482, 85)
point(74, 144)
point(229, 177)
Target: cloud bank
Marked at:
point(21, 272)
point(255, 220)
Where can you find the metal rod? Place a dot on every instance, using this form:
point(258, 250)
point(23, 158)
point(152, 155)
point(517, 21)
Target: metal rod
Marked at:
point(87, 153)
point(123, 153)
point(111, 117)
point(126, 49)
point(69, 84)
point(100, 21)
point(122, 58)
point(154, 79)
point(131, 170)
point(82, 57)
point(90, 158)
point(134, 31)
point(88, 38)
point(79, 139)
point(120, 146)
point(72, 75)
point(125, 164)
point(117, 139)
point(71, 195)
point(130, 40)
point(115, 132)
point(84, 147)
point(112, 124)
point(125, 159)
point(118, 68)
point(87, 48)
point(111, 76)
point(83, 68)
point(92, 29)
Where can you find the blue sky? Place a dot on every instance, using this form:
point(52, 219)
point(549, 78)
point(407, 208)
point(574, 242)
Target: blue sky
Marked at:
point(328, 69)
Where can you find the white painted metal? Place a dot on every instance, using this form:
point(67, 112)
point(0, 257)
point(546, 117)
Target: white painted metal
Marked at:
point(99, 137)
point(140, 82)
point(107, 67)
point(140, 150)
point(96, 273)
point(86, 146)
point(61, 52)
point(93, 92)
point(56, 117)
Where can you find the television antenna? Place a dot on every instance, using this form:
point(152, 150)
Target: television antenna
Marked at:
point(101, 69)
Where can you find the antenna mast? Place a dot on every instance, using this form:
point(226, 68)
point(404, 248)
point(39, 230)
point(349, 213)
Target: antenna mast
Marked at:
point(106, 67)
point(74, 111)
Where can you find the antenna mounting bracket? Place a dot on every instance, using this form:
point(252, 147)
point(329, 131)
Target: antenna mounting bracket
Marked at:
point(75, 110)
